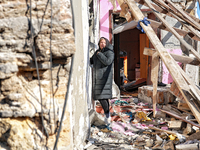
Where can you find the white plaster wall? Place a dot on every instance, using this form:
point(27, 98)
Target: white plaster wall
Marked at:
point(77, 101)
point(96, 23)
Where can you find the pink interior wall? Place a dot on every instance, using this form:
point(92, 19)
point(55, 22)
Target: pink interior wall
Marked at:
point(167, 78)
point(105, 6)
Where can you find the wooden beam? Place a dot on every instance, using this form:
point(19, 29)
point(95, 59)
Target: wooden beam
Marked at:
point(159, 9)
point(157, 44)
point(127, 26)
point(161, 130)
point(183, 15)
point(164, 11)
point(180, 118)
point(168, 11)
point(124, 10)
point(165, 56)
point(179, 58)
point(182, 110)
point(192, 146)
point(189, 47)
point(181, 32)
point(154, 79)
point(155, 24)
point(125, 13)
point(193, 94)
point(192, 32)
point(189, 92)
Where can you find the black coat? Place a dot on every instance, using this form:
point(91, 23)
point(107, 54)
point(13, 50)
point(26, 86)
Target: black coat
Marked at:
point(102, 73)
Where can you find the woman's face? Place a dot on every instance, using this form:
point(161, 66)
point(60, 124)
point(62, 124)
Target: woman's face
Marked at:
point(102, 43)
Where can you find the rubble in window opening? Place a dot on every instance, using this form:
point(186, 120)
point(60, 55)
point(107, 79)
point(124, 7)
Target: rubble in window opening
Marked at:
point(133, 126)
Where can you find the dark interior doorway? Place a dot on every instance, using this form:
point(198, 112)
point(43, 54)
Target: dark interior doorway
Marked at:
point(128, 48)
point(127, 45)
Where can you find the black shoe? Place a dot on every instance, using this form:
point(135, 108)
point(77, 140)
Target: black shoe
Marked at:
point(161, 84)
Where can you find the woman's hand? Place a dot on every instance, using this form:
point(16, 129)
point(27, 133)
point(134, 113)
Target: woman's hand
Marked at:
point(98, 52)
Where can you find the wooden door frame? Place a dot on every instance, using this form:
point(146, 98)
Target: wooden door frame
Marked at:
point(112, 40)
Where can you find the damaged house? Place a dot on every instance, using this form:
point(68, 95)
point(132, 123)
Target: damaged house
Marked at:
point(156, 46)
point(45, 75)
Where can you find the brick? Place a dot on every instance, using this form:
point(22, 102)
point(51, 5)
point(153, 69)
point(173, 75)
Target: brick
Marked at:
point(145, 93)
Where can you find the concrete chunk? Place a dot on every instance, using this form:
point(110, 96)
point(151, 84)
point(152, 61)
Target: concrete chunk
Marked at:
point(145, 93)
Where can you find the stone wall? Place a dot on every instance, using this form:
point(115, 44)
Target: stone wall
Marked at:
point(20, 99)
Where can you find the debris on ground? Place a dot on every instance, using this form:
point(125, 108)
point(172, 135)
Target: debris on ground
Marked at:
point(134, 127)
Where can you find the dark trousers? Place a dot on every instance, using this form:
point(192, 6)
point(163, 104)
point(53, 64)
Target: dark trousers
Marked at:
point(105, 104)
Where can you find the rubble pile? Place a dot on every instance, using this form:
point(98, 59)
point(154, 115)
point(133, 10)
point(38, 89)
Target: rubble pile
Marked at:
point(133, 126)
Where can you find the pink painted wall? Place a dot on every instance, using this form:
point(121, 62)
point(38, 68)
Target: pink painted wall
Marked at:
point(167, 78)
point(105, 6)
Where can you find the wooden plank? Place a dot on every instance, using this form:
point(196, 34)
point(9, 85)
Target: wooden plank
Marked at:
point(175, 124)
point(169, 145)
point(154, 79)
point(168, 11)
point(193, 87)
point(181, 32)
point(144, 42)
point(155, 24)
point(190, 92)
point(125, 13)
point(167, 59)
point(124, 10)
point(180, 118)
point(182, 110)
point(189, 47)
point(159, 9)
point(193, 146)
point(193, 90)
point(183, 105)
point(164, 55)
point(161, 130)
point(164, 11)
point(127, 26)
point(185, 16)
point(193, 31)
point(178, 58)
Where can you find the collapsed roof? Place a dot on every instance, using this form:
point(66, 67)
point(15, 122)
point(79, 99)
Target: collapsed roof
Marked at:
point(134, 16)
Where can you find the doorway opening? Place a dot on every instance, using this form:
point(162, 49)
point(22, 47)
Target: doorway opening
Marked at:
point(131, 67)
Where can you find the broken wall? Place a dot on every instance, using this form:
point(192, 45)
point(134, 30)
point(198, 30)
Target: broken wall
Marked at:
point(172, 45)
point(193, 71)
point(105, 7)
point(21, 93)
point(80, 93)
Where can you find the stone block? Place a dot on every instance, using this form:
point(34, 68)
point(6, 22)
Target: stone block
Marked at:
point(176, 124)
point(145, 93)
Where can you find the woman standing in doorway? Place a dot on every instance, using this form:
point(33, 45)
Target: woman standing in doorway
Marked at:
point(102, 61)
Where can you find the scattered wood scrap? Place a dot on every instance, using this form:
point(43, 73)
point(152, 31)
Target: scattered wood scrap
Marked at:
point(176, 116)
point(187, 88)
point(144, 122)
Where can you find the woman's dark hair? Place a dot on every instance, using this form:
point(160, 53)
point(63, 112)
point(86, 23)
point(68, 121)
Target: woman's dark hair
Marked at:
point(107, 42)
